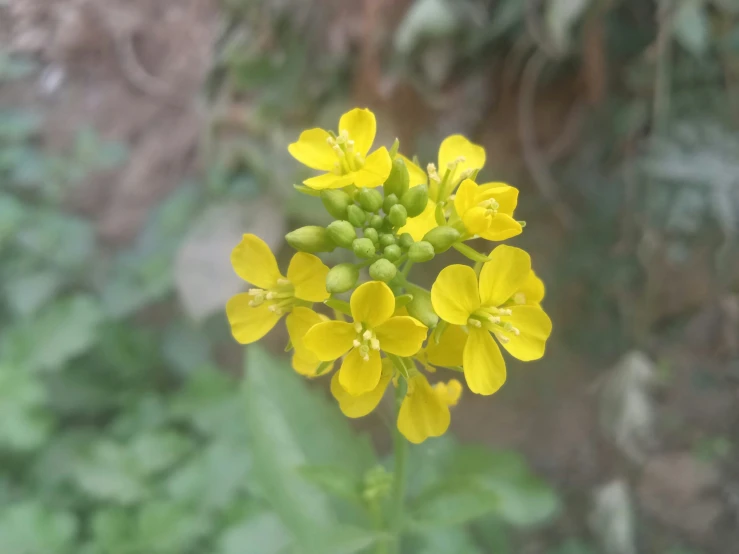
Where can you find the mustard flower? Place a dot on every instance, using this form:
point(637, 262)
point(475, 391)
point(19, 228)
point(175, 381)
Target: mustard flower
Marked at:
point(490, 308)
point(344, 156)
point(373, 330)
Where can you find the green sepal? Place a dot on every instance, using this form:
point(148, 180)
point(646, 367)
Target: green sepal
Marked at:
point(402, 300)
point(307, 190)
point(324, 367)
point(469, 252)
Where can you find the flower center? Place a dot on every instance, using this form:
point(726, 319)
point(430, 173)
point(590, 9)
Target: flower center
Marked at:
point(280, 298)
point(490, 205)
point(366, 341)
point(489, 317)
point(445, 186)
point(349, 159)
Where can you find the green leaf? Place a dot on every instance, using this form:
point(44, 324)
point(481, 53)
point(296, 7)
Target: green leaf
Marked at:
point(334, 480)
point(14, 67)
point(26, 294)
point(262, 533)
point(166, 528)
point(157, 451)
point(12, 214)
point(560, 18)
point(292, 427)
point(30, 528)
point(18, 126)
point(57, 240)
point(109, 474)
point(448, 541)
point(572, 546)
point(25, 424)
point(186, 347)
point(691, 26)
point(455, 504)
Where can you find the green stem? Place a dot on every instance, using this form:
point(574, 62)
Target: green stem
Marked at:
point(400, 446)
point(406, 269)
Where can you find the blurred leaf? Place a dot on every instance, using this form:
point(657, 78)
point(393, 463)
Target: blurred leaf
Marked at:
point(560, 18)
point(447, 541)
point(453, 505)
point(186, 348)
point(431, 19)
point(573, 546)
point(12, 214)
point(14, 67)
point(18, 126)
point(57, 240)
point(292, 427)
point(109, 474)
point(691, 26)
point(334, 480)
point(493, 534)
point(157, 451)
point(259, 534)
point(28, 293)
point(166, 528)
point(25, 425)
point(30, 528)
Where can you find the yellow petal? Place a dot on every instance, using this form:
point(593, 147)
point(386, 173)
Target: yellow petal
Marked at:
point(298, 322)
point(423, 413)
point(329, 181)
point(330, 340)
point(254, 262)
point(359, 376)
point(448, 353)
point(419, 226)
point(312, 150)
point(484, 367)
point(416, 175)
point(502, 227)
point(457, 146)
point(449, 392)
point(360, 406)
point(477, 220)
point(454, 294)
point(505, 195)
point(501, 277)
point(466, 197)
point(534, 327)
point(372, 303)
point(361, 126)
point(531, 291)
point(401, 335)
point(249, 324)
point(375, 170)
point(308, 273)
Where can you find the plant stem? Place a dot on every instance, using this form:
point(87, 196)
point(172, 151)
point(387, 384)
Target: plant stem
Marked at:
point(400, 446)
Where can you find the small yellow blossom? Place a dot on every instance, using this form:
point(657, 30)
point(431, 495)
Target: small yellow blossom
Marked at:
point(298, 322)
point(344, 156)
point(424, 411)
point(487, 210)
point(491, 307)
point(447, 352)
point(374, 329)
point(252, 314)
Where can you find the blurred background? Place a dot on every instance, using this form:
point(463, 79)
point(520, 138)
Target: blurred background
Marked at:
point(138, 141)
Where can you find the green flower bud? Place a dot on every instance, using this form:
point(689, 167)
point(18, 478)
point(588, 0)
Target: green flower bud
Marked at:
point(415, 200)
point(420, 308)
point(397, 181)
point(375, 221)
point(341, 278)
point(386, 239)
point(342, 233)
point(311, 238)
point(383, 270)
point(398, 215)
point(405, 241)
point(421, 251)
point(355, 215)
point(392, 252)
point(442, 238)
point(336, 202)
point(364, 248)
point(369, 199)
point(389, 202)
point(371, 234)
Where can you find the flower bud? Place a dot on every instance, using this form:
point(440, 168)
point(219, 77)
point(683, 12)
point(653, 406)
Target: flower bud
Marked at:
point(397, 181)
point(398, 215)
point(342, 233)
point(364, 248)
point(336, 202)
point(389, 202)
point(421, 251)
point(375, 221)
point(386, 239)
point(442, 238)
point(405, 240)
point(371, 234)
point(383, 270)
point(311, 238)
point(355, 215)
point(420, 307)
point(392, 252)
point(369, 199)
point(341, 278)
point(415, 200)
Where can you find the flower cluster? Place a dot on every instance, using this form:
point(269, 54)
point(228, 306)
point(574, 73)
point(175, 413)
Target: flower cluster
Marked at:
point(392, 330)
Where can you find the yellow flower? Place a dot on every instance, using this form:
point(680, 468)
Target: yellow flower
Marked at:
point(458, 159)
point(253, 313)
point(298, 322)
point(422, 224)
point(374, 329)
point(344, 156)
point(489, 307)
point(424, 412)
point(448, 352)
point(487, 210)
point(425, 409)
